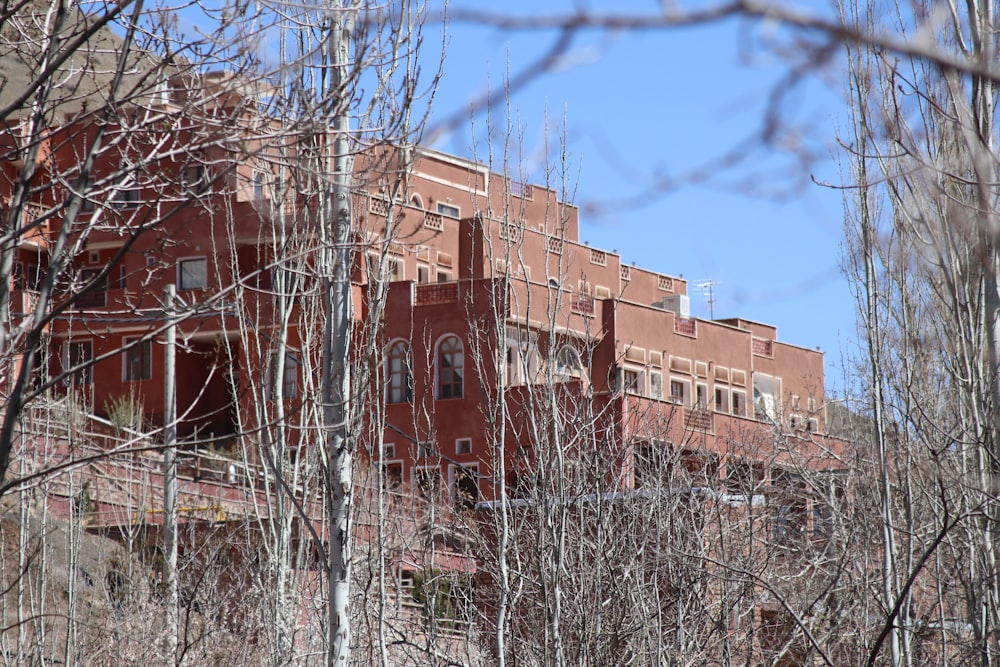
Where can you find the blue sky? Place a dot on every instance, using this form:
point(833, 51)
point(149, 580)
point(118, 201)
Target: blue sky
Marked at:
point(640, 109)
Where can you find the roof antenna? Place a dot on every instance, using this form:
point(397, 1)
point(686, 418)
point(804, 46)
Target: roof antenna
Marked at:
point(706, 289)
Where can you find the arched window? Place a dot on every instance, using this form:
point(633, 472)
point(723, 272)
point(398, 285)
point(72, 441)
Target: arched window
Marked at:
point(568, 362)
point(399, 376)
point(416, 200)
point(450, 368)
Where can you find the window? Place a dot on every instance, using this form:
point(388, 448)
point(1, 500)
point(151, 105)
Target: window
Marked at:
point(443, 276)
point(465, 486)
point(396, 269)
point(450, 371)
point(448, 209)
point(96, 295)
point(568, 364)
point(193, 177)
point(678, 391)
point(399, 376)
point(701, 396)
point(80, 353)
point(655, 385)
point(137, 360)
point(126, 196)
point(192, 273)
point(739, 403)
point(289, 377)
point(258, 185)
point(423, 273)
point(427, 482)
point(631, 381)
point(463, 446)
point(722, 400)
point(393, 473)
point(426, 448)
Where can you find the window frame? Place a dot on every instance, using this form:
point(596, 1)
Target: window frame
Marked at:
point(430, 473)
point(181, 262)
point(725, 405)
point(398, 381)
point(138, 353)
point(738, 401)
point(636, 387)
point(453, 490)
point(450, 210)
point(85, 376)
point(289, 377)
point(127, 195)
point(685, 396)
point(449, 377)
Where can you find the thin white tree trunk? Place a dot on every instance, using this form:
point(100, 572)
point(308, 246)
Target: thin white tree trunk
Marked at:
point(336, 376)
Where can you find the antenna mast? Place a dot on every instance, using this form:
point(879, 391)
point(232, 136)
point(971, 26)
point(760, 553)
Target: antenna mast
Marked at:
point(706, 289)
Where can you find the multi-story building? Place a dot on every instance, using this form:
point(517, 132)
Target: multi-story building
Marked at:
point(499, 359)
point(490, 293)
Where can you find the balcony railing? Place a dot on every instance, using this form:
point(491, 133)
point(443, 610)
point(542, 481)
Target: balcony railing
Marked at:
point(685, 327)
point(762, 347)
point(699, 418)
point(428, 295)
point(434, 221)
point(582, 304)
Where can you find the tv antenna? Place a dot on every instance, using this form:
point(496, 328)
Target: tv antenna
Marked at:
point(707, 289)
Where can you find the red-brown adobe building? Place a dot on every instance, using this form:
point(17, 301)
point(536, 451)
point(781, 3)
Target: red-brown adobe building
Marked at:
point(490, 294)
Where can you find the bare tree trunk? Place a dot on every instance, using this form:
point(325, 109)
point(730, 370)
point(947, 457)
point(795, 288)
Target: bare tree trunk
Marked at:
point(336, 375)
point(170, 480)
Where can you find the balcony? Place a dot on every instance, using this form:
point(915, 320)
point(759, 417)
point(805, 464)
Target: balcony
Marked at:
point(762, 347)
point(434, 221)
point(685, 327)
point(436, 293)
point(582, 304)
point(699, 419)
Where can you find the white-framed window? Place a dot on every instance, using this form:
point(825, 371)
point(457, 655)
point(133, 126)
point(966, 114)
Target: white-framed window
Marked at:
point(396, 269)
point(137, 360)
point(193, 177)
point(443, 276)
point(722, 399)
point(96, 295)
point(680, 391)
point(388, 450)
point(399, 374)
point(423, 273)
point(656, 385)
point(766, 393)
point(632, 381)
point(463, 446)
point(450, 368)
point(739, 403)
point(126, 195)
point(568, 363)
point(701, 396)
point(464, 483)
point(448, 209)
point(416, 200)
point(289, 377)
point(393, 471)
point(80, 353)
point(426, 448)
point(427, 482)
point(258, 185)
point(192, 273)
